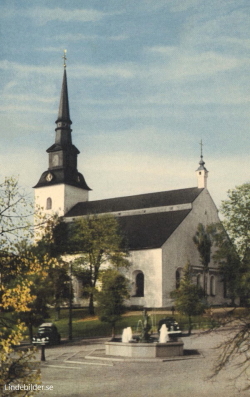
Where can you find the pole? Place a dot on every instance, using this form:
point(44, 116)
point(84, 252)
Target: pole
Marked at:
point(43, 352)
point(70, 301)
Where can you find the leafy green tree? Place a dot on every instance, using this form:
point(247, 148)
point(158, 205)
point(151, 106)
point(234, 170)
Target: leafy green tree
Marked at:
point(235, 349)
point(202, 240)
point(97, 242)
point(228, 260)
point(189, 297)
point(16, 270)
point(110, 299)
point(236, 212)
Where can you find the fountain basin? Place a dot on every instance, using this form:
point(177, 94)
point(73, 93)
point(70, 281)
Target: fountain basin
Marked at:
point(144, 350)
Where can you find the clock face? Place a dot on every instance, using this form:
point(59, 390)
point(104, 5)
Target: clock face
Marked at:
point(49, 177)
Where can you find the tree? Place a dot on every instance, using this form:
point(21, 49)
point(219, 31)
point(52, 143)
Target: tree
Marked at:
point(203, 242)
point(228, 260)
point(236, 211)
point(17, 267)
point(235, 349)
point(110, 299)
point(98, 244)
point(189, 297)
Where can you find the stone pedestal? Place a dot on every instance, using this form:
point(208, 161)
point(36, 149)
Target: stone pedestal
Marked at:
point(144, 350)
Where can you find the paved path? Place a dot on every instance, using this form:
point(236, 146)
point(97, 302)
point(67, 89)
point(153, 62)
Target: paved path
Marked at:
point(81, 369)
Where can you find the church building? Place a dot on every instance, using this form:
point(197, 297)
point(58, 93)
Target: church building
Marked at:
point(159, 226)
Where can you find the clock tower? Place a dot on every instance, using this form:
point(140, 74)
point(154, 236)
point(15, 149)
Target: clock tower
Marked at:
point(61, 186)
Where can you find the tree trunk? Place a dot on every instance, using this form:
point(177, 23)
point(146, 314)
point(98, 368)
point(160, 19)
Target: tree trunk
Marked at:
point(189, 325)
point(91, 304)
point(30, 327)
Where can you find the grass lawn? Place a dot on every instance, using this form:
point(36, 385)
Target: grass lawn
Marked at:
point(86, 326)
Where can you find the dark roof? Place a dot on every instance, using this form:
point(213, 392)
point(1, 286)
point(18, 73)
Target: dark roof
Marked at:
point(149, 200)
point(62, 175)
point(150, 230)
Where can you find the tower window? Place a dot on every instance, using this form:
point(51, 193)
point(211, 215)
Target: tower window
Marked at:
point(55, 160)
point(49, 204)
point(177, 279)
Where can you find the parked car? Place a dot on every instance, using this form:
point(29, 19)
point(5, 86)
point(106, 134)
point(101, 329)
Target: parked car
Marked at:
point(172, 326)
point(47, 334)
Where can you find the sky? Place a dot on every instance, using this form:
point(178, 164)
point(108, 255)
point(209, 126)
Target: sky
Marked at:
point(147, 80)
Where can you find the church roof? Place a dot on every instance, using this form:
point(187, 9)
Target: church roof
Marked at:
point(150, 230)
point(148, 200)
point(147, 230)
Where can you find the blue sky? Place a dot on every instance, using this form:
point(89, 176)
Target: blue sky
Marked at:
point(147, 79)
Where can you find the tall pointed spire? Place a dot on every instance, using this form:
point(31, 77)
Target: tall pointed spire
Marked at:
point(202, 172)
point(63, 112)
point(63, 154)
point(63, 130)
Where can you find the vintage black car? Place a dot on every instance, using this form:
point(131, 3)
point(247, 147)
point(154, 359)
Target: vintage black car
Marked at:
point(47, 334)
point(172, 326)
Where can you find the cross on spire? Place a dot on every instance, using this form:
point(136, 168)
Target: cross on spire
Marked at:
point(201, 144)
point(64, 58)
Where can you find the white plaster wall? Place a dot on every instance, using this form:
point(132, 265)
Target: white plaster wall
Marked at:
point(63, 197)
point(180, 248)
point(150, 263)
point(73, 195)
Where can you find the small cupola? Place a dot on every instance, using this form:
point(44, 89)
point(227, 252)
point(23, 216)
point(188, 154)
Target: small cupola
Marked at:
point(202, 172)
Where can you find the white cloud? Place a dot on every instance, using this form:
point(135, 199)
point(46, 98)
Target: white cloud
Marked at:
point(30, 98)
point(165, 50)
point(42, 15)
point(181, 64)
point(27, 109)
point(184, 5)
point(50, 49)
point(124, 70)
point(27, 68)
point(83, 37)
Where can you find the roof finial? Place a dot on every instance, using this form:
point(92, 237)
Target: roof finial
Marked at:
point(64, 58)
point(202, 162)
point(201, 148)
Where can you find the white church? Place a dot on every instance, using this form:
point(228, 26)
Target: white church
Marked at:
point(159, 226)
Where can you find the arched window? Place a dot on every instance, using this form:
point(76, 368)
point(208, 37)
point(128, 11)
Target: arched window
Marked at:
point(177, 279)
point(49, 204)
point(199, 280)
point(139, 284)
point(212, 285)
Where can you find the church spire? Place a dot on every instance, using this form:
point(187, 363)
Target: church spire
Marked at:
point(63, 112)
point(63, 154)
point(202, 172)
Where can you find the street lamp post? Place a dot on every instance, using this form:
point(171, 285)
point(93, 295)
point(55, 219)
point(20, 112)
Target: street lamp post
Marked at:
point(43, 352)
point(70, 301)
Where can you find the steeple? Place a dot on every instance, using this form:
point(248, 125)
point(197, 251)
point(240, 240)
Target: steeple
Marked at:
point(63, 154)
point(63, 130)
point(63, 113)
point(202, 172)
